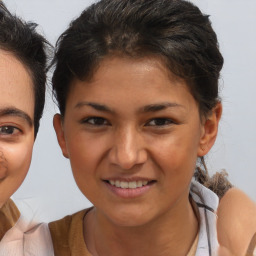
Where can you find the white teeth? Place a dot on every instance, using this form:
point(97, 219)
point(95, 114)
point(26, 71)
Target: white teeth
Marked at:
point(139, 184)
point(132, 184)
point(144, 183)
point(117, 184)
point(125, 184)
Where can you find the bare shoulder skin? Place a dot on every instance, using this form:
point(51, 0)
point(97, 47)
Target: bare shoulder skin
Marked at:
point(236, 223)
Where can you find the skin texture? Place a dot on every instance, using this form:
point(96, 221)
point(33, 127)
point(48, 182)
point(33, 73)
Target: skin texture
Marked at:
point(16, 124)
point(236, 223)
point(134, 120)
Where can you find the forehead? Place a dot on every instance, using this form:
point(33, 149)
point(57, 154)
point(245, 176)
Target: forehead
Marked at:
point(145, 81)
point(16, 86)
point(117, 68)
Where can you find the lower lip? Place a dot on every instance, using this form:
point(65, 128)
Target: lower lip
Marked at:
point(129, 192)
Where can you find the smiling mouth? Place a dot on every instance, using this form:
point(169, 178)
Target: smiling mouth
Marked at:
point(129, 184)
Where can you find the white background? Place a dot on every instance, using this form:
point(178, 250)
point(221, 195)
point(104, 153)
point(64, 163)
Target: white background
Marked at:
point(49, 187)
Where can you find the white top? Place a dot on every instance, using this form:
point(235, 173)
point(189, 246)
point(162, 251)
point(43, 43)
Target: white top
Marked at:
point(207, 203)
point(27, 239)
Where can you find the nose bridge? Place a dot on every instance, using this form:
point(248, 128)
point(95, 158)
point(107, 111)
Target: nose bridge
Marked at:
point(128, 149)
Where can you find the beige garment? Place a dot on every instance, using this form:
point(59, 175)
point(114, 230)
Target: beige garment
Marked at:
point(21, 236)
point(27, 239)
point(9, 215)
point(68, 239)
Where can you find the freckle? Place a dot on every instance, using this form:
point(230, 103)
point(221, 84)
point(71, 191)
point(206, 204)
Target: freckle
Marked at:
point(3, 166)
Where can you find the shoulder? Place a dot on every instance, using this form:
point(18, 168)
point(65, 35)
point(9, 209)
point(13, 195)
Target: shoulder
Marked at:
point(236, 223)
point(63, 231)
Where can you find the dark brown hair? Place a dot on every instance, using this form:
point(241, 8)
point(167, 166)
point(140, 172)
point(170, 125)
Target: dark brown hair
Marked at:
point(21, 39)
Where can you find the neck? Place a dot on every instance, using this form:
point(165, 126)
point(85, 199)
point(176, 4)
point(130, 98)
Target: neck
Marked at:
point(170, 234)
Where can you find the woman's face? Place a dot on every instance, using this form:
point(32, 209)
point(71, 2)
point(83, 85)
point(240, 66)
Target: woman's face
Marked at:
point(16, 124)
point(133, 134)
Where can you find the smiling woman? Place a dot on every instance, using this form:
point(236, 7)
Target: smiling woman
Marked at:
point(137, 88)
point(22, 89)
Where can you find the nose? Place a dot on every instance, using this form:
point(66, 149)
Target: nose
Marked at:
point(128, 149)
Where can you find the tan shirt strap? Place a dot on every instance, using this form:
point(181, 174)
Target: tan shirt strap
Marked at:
point(9, 215)
point(60, 236)
point(252, 247)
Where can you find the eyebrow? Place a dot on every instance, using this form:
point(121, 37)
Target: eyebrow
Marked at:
point(12, 111)
point(145, 109)
point(97, 106)
point(160, 106)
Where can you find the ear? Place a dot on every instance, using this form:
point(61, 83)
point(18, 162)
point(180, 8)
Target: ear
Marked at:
point(58, 127)
point(209, 130)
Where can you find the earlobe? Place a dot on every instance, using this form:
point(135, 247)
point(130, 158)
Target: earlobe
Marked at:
point(58, 127)
point(210, 130)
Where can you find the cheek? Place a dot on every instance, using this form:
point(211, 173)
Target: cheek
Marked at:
point(17, 159)
point(14, 165)
point(85, 152)
point(177, 150)
point(82, 156)
point(3, 166)
point(176, 156)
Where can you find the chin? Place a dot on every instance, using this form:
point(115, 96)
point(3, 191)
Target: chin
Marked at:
point(130, 217)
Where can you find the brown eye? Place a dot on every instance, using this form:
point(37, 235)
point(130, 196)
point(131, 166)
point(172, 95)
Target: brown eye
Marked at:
point(97, 121)
point(8, 130)
point(160, 122)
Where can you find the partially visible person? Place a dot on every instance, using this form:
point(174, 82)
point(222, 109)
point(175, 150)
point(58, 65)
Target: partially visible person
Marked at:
point(23, 62)
point(136, 83)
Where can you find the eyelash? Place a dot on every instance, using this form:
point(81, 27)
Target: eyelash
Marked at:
point(100, 121)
